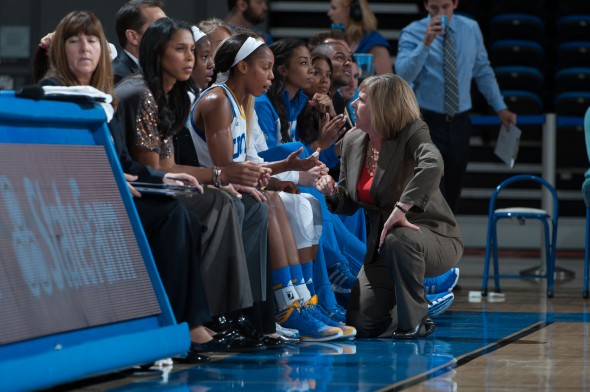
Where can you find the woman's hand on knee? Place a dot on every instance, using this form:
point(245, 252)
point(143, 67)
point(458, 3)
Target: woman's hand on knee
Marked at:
point(396, 219)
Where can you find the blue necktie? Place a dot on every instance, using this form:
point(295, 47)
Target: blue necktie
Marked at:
point(450, 70)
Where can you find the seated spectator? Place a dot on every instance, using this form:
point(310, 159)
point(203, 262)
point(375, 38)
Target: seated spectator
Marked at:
point(316, 124)
point(204, 66)
point(360, 26)
point(248, 14)
point(350, 92)
point(339, 54)
point(217, 31)
point(131, 22)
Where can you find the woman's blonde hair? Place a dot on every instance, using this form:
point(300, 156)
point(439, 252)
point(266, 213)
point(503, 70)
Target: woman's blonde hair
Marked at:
point(210, 25)
point(74, 23)
point(357, 28)
point(392, 102)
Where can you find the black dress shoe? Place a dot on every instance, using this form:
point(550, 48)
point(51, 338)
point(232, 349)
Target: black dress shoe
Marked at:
point(214, 345)
point(191, 358)
point(424, 328)
point(245, 327)
point(272, 343)
point(238, 343)
point(429, 323)
point(219, 324)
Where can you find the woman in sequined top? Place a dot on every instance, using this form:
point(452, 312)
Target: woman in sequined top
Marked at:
point(155, 106)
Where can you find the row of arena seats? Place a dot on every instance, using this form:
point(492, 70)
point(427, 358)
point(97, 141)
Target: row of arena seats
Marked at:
point(532, 28)
point(530, 88)
point(540, 52)
point(539, 7)
point(530, 53)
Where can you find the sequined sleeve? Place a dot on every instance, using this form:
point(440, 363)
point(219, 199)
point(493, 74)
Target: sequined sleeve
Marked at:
point(147, 135)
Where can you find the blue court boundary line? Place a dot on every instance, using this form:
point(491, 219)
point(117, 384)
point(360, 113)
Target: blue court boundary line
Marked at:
point(466, 358)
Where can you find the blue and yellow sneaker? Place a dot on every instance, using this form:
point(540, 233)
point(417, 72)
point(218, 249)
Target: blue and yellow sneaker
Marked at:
point(287, 332)
point(317, 312)
point(310, 329)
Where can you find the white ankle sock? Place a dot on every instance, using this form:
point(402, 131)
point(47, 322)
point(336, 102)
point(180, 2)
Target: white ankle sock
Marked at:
point(285, 297)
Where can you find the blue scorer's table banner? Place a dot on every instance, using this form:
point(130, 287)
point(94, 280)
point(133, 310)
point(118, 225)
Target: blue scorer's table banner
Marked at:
point(68, 254)
point(79, 291)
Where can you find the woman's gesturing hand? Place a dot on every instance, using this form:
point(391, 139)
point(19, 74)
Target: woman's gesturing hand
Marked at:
point(245, 173)
point(293, 162)
point(331, 130)
point(310, 177)
point(327, 186)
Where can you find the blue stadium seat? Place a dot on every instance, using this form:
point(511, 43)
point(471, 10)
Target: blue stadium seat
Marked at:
point(520, 78)
point(573, 28)
point(572, 103)
point(518, 27)
point(572, 79)
point(517, 52)
point(523, 102)
point(532, 7)
point(573, 54)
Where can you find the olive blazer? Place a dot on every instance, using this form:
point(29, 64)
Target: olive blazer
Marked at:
point(409, 170)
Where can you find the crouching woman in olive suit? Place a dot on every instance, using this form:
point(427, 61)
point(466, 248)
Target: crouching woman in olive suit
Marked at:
point(390, 167)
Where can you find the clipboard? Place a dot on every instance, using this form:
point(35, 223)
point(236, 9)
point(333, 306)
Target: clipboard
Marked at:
point(170, 190)
point(507, 144)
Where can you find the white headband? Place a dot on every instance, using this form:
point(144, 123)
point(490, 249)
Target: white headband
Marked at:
point(197, 34)
point(249, 46)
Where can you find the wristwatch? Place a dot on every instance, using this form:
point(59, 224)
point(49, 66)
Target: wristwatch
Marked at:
point(216, 176)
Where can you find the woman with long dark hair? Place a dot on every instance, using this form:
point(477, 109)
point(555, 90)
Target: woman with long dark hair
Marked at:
point(278, 111)
point(155, 106)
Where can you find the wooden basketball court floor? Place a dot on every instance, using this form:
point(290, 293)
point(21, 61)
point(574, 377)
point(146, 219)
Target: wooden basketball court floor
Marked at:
point(522, 342)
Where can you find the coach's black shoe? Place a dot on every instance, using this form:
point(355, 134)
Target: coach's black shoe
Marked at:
point(424, 328)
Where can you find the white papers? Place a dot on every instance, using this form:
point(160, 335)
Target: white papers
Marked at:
point(102, 99)
point(507, 144)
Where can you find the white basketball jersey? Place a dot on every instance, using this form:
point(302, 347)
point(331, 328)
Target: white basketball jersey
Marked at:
point(238, 130)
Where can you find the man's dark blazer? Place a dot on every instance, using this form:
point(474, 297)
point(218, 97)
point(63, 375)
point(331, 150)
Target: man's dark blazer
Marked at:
point(123, 66)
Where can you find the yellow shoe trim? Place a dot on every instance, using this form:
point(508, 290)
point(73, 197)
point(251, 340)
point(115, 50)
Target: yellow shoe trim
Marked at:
point(335, 330)
point(348, 331)
point(284, 315)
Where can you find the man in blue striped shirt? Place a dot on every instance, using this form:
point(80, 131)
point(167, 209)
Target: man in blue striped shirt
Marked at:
point(421, 62)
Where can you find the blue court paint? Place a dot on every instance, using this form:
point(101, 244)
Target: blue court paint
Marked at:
point(368, 364)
